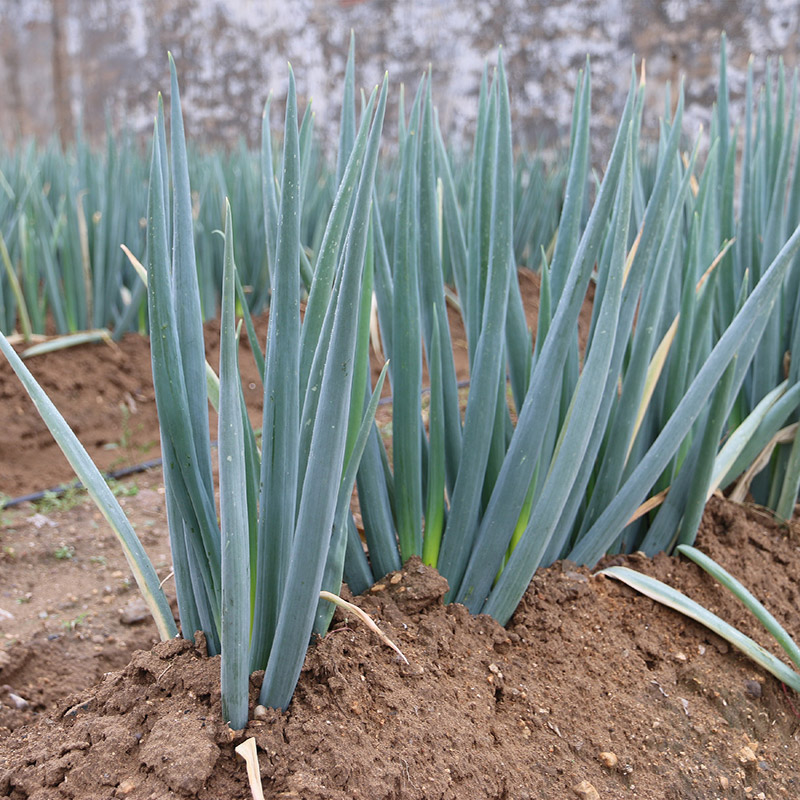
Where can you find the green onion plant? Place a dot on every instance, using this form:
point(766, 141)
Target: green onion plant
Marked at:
point(561, 451)
point(251, 577)
point(643, 410)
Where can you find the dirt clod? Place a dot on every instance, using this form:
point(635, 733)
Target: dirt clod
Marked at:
point(746, 756)
point(609, 759)
point(181, 752)
point(586, 791)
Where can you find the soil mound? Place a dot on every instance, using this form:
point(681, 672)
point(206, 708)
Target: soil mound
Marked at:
point(589, 686)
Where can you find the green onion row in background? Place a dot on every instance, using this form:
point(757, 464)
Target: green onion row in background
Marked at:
point(65, 212)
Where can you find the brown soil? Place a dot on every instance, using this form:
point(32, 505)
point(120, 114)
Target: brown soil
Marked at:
point(585, 668)
point(590, 685)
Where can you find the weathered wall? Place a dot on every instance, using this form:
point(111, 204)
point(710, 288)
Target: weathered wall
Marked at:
point(64, 60)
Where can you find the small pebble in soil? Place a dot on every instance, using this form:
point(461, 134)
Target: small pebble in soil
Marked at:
point(586, 791)
point(135, 611)
point(411, 670)
point(747, 756)
point(609, 759)
point(20, 703)
point(753, 688)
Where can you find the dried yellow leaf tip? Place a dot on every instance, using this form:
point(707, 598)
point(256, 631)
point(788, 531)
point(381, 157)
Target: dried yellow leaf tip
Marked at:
point(364, 617)
point(247, 750)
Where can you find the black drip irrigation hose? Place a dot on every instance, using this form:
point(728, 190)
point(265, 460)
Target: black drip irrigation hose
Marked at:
point(57, 491)
point(124, 472)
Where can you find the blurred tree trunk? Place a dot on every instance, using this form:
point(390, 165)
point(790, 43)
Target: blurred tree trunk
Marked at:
point(10, 55)
point(61, 94)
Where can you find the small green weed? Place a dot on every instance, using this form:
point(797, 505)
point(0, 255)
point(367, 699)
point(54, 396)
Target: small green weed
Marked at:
point(122, 489)
point(72, 624)
point(64, 553)
point(60, 501)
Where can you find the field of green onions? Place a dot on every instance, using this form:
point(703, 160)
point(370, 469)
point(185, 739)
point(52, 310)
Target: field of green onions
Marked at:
point(65, 212)
point(686, 386)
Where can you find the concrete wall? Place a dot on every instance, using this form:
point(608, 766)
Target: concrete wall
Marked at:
point(65, 60)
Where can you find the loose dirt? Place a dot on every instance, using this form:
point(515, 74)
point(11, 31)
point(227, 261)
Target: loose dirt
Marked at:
point(590, 691)
point(589, 683)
